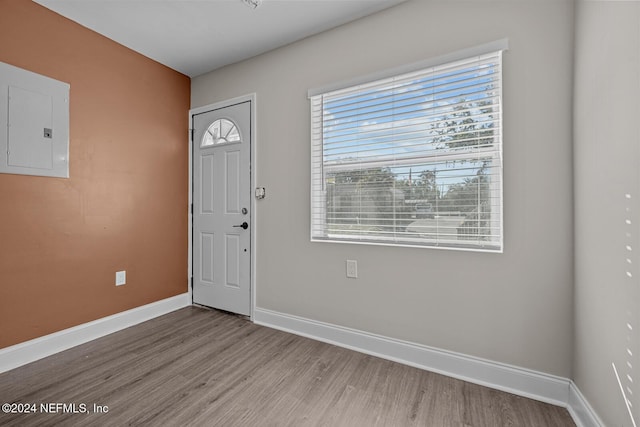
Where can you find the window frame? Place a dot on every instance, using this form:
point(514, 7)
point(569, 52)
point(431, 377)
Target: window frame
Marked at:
point(318, 161)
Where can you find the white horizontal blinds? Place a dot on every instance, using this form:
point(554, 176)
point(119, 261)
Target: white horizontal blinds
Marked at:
point(318, 193)
point(411, 159)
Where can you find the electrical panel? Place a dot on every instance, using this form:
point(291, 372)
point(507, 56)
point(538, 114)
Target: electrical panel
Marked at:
point(34, 123)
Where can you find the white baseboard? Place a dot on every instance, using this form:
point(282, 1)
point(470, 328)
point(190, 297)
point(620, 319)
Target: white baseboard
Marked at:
point(523, 382)
point(30, 351)
point(520, 381)
point(580, 409)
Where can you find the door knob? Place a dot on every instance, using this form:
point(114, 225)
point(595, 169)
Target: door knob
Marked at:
point(244, 225)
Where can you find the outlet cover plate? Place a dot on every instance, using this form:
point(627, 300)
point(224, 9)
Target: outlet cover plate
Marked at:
point(352, 269)
point(121, 278)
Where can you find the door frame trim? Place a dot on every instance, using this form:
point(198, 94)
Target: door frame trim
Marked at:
point(252, 183)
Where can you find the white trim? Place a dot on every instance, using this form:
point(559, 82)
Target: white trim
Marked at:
point(189, 213)
point(252, 97)
point(502, 44)
point(580, 409)
point(30, 351)
point(520, 381)
point(254, 208)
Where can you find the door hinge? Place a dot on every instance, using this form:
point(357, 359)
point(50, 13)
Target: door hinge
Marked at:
point(191, 208)
point(191, 282)
point(192, 134)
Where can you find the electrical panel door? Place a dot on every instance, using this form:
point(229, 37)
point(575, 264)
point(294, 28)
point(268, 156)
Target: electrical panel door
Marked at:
point(34, 124)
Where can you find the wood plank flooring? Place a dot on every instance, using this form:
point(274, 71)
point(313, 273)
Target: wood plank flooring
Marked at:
point(203, 367)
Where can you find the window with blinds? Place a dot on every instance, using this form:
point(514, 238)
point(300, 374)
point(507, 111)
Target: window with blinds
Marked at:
point(412, 159)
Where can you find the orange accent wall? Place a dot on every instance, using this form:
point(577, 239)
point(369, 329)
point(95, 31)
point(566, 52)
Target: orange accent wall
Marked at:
point(124, 206)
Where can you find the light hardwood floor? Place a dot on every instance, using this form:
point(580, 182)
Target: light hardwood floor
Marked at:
point(207, 368)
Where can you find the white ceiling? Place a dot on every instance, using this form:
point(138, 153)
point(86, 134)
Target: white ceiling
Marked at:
point(197, 36)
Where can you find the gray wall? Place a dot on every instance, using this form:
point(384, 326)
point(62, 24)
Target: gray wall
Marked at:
point(607, 165)
point(514, 307)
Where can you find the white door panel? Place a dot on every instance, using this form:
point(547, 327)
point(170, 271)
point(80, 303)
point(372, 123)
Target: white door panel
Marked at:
point(221, 211)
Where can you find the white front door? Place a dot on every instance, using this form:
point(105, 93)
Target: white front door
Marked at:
point(221, 208)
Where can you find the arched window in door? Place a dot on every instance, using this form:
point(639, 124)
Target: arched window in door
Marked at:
point(219, 132)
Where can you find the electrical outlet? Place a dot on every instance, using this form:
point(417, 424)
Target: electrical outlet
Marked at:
point(121, 278)
point(352, 269)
